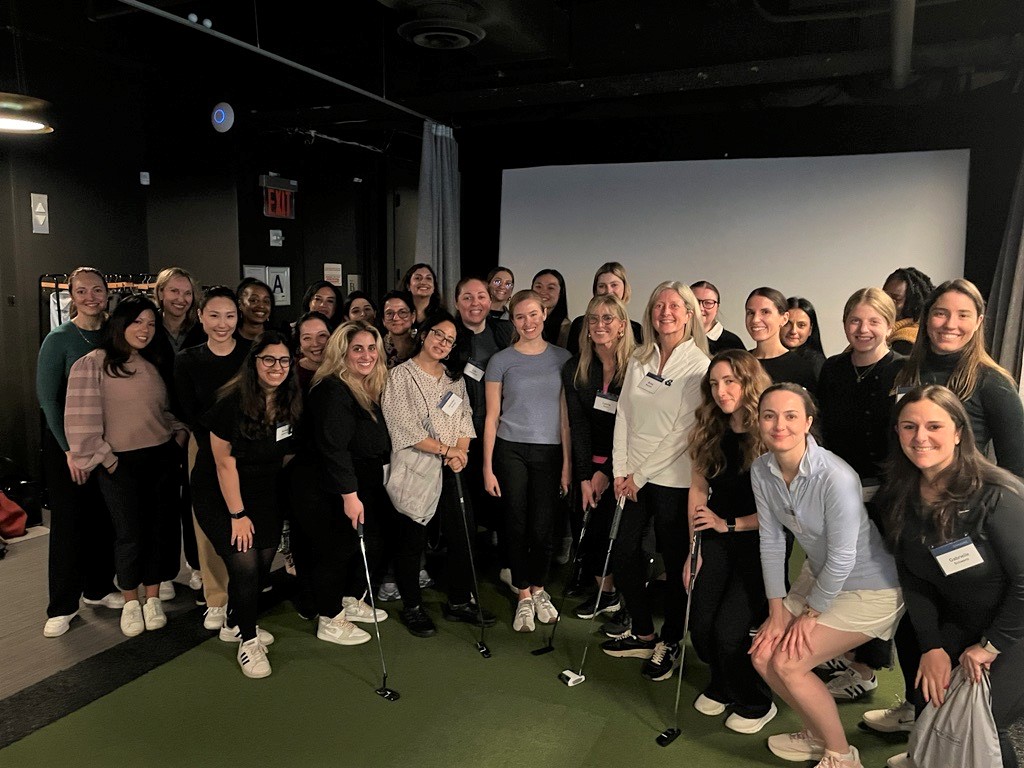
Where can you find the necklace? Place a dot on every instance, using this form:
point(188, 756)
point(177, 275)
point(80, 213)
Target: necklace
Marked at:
point(863, 375)
point(85, 338)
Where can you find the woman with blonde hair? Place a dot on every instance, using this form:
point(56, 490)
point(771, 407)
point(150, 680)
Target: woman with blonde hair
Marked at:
point(338, 479)
point(610, 278)
point(728, 598)
point(660, 393)
point(592, 382)
point(951, 351)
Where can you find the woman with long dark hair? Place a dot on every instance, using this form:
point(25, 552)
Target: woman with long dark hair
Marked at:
point(323, 297)
point(251, 430)
point(942, 495)
point(908, 288)
point(767, 312)
point(801, 333)
point(847, 591)
point(728, 598)
point(81, 540)
point(500, 284)
point(549, 285)
point(660, 394)
point(951, 352)
point(610, 278)
point(420, 282)
point(592, 382)
point(118, 422)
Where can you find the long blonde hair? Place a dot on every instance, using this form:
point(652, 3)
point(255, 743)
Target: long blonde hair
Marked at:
point(163, 278)
point(694, 328)
point(964, 379)
point(712, 423)
point(367, 390)
point(614, 268)
point(623, 347)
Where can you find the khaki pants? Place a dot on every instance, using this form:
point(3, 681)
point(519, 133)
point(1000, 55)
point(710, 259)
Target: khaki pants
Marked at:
point(215, 573)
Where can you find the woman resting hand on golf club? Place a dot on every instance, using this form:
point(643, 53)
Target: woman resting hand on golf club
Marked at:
point(847, 591)
point(941, 489)
point(423, 395)
point(728, 598)
point(526, 452)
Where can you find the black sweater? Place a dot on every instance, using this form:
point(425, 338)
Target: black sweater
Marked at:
point(198, 374)
point(793, 368)
point(592, 430)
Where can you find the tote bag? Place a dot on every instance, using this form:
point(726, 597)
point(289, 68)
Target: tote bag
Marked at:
point(962, 732)
point(414, 485)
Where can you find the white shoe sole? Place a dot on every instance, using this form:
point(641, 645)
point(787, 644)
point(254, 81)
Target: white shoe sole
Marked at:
point(708, 706)
point(796, 756)
point(348, 640)
point(750, 725)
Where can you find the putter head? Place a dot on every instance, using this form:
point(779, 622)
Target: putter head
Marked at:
point(541, 651)
point(667, 736)
point(484, 650)
point(387, 693)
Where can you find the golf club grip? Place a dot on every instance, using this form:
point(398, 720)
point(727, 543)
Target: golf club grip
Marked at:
point(617, 518)
point(359, 529)
point(694, 550)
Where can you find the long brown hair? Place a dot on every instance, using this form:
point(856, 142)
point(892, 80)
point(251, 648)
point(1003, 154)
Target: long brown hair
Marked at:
point(257, 416)
point(623, 347)
point(973, 358)
point(712, 423)
point(957, 483)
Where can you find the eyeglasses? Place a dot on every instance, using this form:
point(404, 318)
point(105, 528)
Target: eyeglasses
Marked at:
point(602, 319)
point(498, 282)
point(708, 303)
point(269, 360)
point(446, 341)
point(397, 314)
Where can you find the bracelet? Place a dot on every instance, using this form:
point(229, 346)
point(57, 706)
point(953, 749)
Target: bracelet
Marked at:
point(440, 446)
point(237, 515)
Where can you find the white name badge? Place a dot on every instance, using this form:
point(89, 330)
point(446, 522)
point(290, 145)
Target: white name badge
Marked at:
point(387, 473)
point(606, 403)
point(956, 556)
point(652, 382)
point(901, 391)
point(450, 403)
point(284, 431)
point(473, 370)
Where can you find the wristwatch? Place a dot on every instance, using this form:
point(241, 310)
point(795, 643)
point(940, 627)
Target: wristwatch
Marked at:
point(987, 645)
point(731, 527)
point(237, 515)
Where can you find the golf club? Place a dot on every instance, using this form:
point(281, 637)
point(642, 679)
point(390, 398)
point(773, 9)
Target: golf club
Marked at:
point(481, 645)
point(669, 735)
point(550, 646)
point(384, 692)
point(567, 676)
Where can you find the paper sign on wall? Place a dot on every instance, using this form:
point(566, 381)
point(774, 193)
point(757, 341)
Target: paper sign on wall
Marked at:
point(280, 281)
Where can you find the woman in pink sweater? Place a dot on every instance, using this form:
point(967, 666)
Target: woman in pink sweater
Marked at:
point(117, 416)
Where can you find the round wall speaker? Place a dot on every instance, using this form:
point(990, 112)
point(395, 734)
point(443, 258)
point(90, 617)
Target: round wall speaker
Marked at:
point(222, 117)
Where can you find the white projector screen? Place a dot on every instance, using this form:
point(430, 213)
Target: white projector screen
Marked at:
point(817, 227)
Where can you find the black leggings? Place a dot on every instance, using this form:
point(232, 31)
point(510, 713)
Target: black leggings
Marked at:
point(248, 573)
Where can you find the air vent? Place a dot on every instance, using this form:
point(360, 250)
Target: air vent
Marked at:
point(441, 34)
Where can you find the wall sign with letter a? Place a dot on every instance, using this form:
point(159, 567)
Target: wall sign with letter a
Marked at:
point(278, 197)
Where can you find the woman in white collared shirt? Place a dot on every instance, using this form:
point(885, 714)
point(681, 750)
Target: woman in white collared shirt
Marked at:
point(660, 394)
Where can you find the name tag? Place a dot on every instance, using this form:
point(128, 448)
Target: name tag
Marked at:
point(450, 403)
point(473, 370)
point(606, 403)
point(284, 431)
point(387, 473)
point(652, 382)
point(901, 391)
point(790, 520)
point(956, 556)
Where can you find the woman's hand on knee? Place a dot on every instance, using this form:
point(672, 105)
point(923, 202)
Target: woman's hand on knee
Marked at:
point(768, 637)
point(933, 675)
point(797, 642)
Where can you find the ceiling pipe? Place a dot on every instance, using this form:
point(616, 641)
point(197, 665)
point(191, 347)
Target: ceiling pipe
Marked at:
point(902, 32)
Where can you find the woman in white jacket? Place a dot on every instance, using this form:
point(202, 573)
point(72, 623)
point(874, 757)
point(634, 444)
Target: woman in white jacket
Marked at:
point(655, 413)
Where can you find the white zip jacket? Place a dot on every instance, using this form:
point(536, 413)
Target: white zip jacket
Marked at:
point(652, 428)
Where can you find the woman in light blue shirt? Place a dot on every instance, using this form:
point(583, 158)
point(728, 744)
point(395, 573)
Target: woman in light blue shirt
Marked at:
point(847, 591)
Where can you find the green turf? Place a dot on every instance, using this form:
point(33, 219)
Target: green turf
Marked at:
point(456, 708)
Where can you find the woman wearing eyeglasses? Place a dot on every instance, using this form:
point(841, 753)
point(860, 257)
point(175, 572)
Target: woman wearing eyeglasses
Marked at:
point(710, 300)
point(500, 283)
point(610, 279)
point(426, 407)
point(399, 342)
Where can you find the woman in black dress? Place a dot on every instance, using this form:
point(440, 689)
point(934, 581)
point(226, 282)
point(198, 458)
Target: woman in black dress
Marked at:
point(801, 334)
point(766, 313)
point(710, 300)
point(251, 428)
point(309, 342)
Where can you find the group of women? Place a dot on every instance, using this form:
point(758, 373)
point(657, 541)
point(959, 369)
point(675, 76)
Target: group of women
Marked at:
point(703, 441)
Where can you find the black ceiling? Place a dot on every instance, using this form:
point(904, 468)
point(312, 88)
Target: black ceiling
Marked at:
point(537, 59)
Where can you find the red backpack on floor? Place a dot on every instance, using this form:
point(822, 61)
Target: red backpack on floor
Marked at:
point(12, 518)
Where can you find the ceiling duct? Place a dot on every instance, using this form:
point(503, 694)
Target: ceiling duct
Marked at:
point(440, 25)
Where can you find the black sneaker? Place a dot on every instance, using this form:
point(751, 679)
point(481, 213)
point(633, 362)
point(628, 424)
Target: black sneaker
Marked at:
point(631, 646)
point(609, 603)
point(662, 663)
point(417, 622)
point(468, 613)
point(618, 623)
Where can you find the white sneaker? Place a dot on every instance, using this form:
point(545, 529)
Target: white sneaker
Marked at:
point(153, 614)
point(544, 608)
point(708, 706)
point(798, 747)
point(132, 623)
point(341, 631)
point(252, 658)
point(523, 621)
point(832, 666)
point(357, 609)
point(388, 592)
point(195, 581)
point(56, 626)
point(214, 616)
point(234, 635)
point(740, 724)
point(505, 577)
point(900, 717)
point(166, 590)
point(113, 600)
point(850, 686)
point(835, 760)
point(902, 760)
point(425, 579)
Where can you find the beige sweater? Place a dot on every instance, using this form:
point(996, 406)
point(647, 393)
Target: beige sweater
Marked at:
point(104, 414)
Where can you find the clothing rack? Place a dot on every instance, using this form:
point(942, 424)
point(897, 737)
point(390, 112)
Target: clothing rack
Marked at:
point(54, 299)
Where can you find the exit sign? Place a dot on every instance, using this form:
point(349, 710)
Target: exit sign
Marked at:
point(278, 197)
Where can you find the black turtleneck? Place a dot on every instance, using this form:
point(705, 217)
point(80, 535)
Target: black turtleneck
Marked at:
point(994, 409)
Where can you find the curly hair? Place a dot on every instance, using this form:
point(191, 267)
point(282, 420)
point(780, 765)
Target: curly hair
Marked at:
point(919, 286)
point(711, 425)
point(366, 390)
